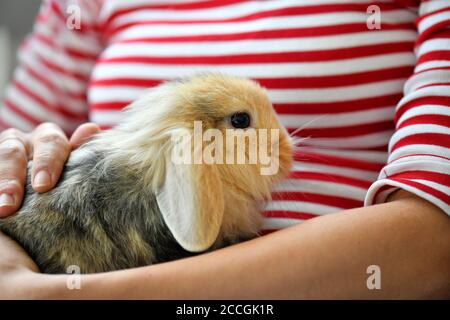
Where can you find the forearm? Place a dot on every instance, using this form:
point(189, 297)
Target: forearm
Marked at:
point(326, 257)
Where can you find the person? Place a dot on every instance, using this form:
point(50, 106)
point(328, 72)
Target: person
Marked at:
point(335, 69)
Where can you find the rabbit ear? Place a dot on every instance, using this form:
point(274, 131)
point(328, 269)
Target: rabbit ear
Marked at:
point(192, 205)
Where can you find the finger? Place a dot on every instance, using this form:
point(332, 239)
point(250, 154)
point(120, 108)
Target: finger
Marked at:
point(13, 171)
point(82, 133)
point(50, 152)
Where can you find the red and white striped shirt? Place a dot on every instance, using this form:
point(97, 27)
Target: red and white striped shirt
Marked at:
point(374, 104)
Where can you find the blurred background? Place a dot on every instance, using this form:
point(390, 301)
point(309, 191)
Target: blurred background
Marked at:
point(16, 21)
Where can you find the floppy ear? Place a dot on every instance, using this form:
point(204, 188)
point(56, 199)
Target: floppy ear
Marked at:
point(192, 204)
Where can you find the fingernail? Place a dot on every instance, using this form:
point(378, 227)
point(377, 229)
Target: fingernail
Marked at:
point(6, 200)
point(41, 179)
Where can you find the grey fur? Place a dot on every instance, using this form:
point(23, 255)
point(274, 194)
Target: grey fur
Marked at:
point(93, 218)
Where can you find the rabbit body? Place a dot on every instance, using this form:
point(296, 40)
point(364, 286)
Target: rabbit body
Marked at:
point(93, 219)
point(121, 202)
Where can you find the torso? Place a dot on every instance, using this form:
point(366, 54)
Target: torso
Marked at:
point(324, 70)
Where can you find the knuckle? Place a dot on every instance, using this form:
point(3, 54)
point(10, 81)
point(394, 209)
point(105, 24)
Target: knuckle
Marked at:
point(45, 125)
point(54, 138)
point(12, 149)
point(43, 161)
point(47, 160)
point(48, 127)
point(11, 132)
point(10, 185)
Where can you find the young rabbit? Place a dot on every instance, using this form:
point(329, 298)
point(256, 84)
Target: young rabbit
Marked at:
point(123, 202)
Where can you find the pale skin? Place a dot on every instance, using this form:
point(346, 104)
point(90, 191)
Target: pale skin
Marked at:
point(326, 257)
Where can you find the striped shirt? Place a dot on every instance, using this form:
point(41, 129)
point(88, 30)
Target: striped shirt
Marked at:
point(372, 100)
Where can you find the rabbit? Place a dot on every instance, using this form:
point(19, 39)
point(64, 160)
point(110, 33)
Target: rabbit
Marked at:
point(121, 202)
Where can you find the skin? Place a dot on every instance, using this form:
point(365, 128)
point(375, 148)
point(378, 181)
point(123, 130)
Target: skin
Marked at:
point(326, 257)
point(49, 148)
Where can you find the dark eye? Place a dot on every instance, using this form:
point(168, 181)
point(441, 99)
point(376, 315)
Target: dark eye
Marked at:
point(240, 120)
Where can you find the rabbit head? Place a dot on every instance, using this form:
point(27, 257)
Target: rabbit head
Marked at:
point(235, 147)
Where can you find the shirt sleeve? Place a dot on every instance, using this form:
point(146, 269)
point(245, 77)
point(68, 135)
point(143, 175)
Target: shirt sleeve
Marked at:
point(419, 150)
point(55, 62)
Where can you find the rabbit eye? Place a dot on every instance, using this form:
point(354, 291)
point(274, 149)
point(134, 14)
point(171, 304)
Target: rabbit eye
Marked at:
point(240, 120)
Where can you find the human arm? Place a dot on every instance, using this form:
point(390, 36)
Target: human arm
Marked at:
point(326, 257)
point(326, 223)
point(419, 150)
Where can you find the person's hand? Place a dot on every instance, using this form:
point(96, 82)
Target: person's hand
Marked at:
point(17, 270)
point(49, 149)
